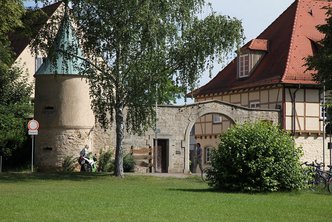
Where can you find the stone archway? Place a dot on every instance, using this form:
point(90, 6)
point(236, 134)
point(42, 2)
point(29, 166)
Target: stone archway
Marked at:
point(176, 122)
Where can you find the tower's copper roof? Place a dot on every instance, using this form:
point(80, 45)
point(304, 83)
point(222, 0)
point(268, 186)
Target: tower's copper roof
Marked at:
point(67, 53)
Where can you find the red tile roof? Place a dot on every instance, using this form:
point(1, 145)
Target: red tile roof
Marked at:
point(20, 41)
point(258, 44)
point(288, 40)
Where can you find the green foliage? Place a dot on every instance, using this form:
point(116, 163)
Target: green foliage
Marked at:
point(128, 163)
point(321, 61)
point(148, 51)
point(145, 44)
point(14, 110)
point(12, 131)
point(20, 158)
point(14, 90)
point(69, 163)
point(11, 12)
point(105, 163)
point(256, 157)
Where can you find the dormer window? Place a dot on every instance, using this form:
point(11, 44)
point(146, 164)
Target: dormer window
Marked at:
point(244, 65)
point(250, 56)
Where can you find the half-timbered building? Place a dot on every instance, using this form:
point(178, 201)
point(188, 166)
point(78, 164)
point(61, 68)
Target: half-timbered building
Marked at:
point(270, 72)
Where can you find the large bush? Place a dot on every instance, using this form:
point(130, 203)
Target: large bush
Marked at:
point(256, 157)
point(15, 145)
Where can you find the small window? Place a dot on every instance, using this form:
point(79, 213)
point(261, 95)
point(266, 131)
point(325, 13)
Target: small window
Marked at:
point(48, 148)
point(244, 65)
point(254, 105)
point(49, 109)
point(208, 154)
point(216, 118)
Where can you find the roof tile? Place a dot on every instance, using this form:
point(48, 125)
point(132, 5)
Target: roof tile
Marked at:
point(289, 39)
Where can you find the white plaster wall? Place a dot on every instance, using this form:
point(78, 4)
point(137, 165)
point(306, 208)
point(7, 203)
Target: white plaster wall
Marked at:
point(313, 148)
point(26, 61)
point(69, 98)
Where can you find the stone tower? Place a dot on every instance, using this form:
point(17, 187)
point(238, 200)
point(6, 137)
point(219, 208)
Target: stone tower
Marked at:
point(62, 104)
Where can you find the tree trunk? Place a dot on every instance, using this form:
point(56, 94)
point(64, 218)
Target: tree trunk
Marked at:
point(119, 140)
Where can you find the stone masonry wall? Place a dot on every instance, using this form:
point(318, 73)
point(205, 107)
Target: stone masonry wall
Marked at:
point(55, 145)
point(175, 123)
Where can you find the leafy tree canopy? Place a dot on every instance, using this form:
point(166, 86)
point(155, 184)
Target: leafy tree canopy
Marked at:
point(322, 60)
point(138, 52)
point(10, 11)
point(14, 91)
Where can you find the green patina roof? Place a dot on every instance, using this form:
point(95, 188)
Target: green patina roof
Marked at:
point(66, 40)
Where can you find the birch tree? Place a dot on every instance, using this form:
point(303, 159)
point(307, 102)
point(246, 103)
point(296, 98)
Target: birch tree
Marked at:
point(147, 51)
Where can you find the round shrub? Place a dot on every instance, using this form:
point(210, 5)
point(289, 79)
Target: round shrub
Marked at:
point(128, 163)
point(256, 157)
point(105, 163)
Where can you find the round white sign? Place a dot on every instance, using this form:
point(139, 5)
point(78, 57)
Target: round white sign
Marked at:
point(33, 124)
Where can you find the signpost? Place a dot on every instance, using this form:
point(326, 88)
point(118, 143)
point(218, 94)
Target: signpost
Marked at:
point(33, 127)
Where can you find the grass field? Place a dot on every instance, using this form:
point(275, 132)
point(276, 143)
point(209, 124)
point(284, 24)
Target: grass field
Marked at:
point(100, 197)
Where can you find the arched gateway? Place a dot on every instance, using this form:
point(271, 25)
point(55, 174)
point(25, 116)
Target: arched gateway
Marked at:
point(175, 123)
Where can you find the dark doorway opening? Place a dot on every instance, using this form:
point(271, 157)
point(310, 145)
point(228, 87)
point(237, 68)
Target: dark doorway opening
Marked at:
point(161, 156)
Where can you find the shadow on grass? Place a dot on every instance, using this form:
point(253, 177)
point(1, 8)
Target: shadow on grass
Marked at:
point(212, 190)
point(201, 190)
point(21, 177)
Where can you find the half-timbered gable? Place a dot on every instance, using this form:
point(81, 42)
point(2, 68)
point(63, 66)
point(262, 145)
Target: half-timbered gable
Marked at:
point(270, 72)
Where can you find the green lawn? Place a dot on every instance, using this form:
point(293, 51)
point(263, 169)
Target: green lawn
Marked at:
point(81, 197)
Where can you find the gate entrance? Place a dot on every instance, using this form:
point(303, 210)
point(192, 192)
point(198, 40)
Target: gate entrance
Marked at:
point(175, 124)
point(162, 156)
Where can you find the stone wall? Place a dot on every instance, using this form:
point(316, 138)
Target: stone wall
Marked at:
point(174, 125)
point(55, 145)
